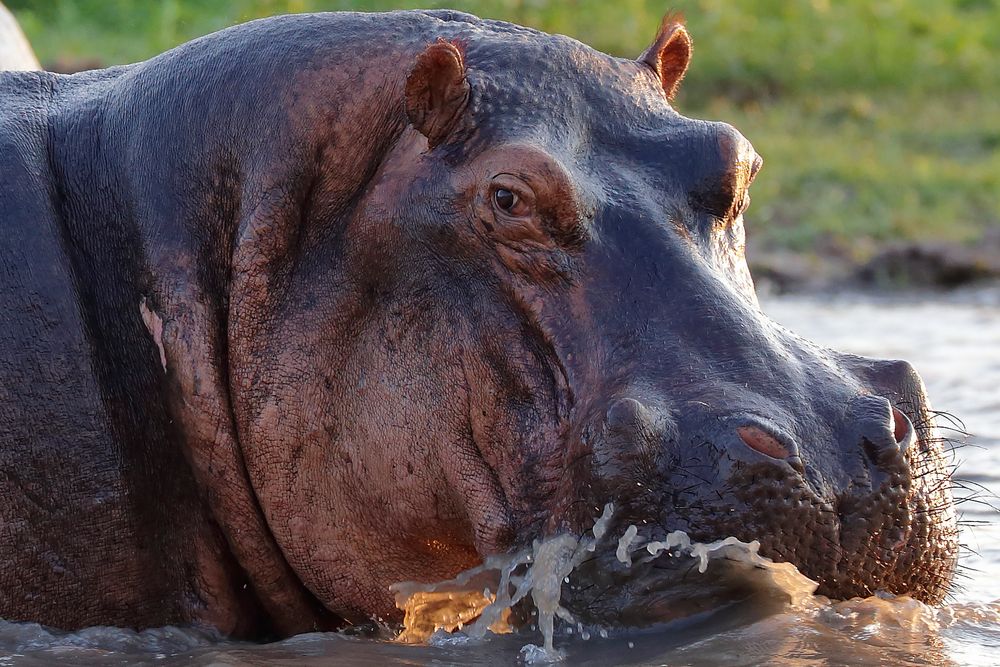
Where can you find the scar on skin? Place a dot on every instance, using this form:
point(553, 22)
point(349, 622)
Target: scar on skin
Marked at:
point(154, 323)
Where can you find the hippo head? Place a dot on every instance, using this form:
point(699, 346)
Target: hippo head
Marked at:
point(539, 304)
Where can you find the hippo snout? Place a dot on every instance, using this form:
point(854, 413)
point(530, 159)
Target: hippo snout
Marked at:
point(881, 430)
point(838, 492)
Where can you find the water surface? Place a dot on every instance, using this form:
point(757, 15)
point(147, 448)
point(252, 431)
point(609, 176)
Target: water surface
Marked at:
point(954, 341)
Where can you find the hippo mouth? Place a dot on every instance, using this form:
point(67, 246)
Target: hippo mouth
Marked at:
point(695, 562)
point(770, 533)
point(627, 576)
point(606, 581)
point(890, 530)
point(640, 582)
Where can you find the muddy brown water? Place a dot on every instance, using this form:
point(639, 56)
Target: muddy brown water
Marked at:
point(954, 341)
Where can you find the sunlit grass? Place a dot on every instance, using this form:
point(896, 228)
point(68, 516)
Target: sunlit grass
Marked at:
point(851, 170)
point(877, 120)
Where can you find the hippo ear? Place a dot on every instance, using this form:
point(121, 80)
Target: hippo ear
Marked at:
point(437, 91)
point(669, 54)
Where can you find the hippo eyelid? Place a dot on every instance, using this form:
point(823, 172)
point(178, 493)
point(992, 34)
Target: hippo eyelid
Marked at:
point(544, 184)
point(507, 173)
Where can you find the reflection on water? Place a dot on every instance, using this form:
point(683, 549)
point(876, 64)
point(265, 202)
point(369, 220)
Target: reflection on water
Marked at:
point(952, 339)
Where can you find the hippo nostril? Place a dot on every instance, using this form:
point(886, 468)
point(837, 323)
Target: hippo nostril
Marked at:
point(760, 440)
point(882, 430)
point(901, 427)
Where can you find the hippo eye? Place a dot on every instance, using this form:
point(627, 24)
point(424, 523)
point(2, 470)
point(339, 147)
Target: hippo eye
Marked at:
point(510, 197)
point(505, 200)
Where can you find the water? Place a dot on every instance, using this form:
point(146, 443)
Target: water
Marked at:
point(953, 339)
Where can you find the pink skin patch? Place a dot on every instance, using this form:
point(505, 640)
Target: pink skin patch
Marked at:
point(900, 425)
point(762, 441)
point(154, 324)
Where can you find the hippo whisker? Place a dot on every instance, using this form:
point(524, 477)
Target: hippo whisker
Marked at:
point(990, 501)
point(956, 424)
point(966, 484)
point(953, 445)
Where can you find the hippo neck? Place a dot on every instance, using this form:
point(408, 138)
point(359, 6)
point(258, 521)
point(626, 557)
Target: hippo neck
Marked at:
point(146, 227)
point(170, 195)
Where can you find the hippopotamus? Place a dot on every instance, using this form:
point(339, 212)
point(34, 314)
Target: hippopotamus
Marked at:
point(321, 303)
point(15, 52)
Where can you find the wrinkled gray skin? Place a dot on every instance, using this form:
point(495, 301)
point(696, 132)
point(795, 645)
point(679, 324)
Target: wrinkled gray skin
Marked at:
point(15, 52)
point(321, 303)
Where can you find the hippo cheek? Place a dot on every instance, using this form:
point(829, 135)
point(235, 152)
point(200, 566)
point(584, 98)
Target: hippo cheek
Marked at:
point(365, 485)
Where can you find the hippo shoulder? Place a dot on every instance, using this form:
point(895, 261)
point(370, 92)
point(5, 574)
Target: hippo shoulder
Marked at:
point(23, 115)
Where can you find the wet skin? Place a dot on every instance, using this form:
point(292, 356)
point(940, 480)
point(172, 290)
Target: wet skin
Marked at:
point(322, 303)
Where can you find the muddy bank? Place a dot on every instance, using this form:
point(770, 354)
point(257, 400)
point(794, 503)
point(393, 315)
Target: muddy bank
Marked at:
point(904, 265)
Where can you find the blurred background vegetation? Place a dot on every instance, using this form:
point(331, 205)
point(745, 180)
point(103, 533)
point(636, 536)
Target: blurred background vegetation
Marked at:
point(879, 120)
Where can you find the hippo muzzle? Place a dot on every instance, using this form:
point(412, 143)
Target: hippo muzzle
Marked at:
point(842, 492)
point(709, 418)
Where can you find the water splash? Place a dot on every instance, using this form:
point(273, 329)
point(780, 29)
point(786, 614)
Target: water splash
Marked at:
point(546, 565)
point(622, 552)
point(430, 611)
point(468, 603)
point(783, 577)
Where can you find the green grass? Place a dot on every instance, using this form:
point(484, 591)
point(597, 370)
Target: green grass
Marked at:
point(849, 171)
point(878, 120)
